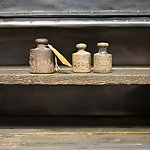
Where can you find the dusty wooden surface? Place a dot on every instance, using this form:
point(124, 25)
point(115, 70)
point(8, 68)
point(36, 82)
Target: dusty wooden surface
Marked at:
point(75, 138)
point(39, 139)
point(47, 132)
point(65, 76)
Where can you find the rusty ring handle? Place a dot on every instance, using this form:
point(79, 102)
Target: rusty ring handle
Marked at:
point(41, 41)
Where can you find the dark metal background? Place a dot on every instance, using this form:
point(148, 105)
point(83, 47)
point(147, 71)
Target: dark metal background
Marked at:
point(129, 46)
point(110, 100)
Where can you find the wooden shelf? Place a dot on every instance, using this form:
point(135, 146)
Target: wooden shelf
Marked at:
point(65, 76)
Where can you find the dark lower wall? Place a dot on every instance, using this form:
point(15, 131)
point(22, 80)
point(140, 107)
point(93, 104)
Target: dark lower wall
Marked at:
point(108, 100)
point(129, 46)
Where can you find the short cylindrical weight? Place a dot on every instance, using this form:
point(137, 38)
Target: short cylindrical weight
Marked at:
point(81, 60)
point(102, 60)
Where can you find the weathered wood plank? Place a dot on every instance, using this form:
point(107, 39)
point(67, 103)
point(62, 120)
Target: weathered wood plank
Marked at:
point(30, 132)
point(65, 76)
point(47, 139)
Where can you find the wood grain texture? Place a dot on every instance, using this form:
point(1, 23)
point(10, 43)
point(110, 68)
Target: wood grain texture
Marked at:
point(65, 76)
point(67, 133)
point(75, 138)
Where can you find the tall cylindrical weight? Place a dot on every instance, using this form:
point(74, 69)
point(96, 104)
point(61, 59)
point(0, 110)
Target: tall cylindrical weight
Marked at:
point(41, 58)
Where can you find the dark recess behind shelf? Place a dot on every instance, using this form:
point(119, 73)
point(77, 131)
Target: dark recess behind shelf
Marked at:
point(107, 100)
point(129, 45)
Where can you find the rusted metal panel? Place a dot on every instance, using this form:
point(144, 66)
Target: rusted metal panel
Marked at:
point(51, 8)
